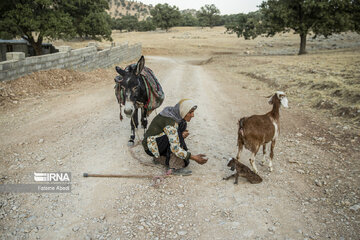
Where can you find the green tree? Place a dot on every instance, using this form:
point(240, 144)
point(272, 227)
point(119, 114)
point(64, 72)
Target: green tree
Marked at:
point(128, 23)
point(146, 25)
point(322, 17)
point(208, 15)
point(165, 16)
point(355, 15)
point(244, 25)
point(188, 19)
point(303, 17)
point(89, 18)
point(34, 20)
point(123, 3)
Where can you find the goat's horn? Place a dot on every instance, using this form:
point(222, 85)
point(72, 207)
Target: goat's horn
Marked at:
point(268, 96)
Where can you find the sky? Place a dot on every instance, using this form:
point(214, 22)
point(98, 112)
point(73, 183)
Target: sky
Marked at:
point(225, 6)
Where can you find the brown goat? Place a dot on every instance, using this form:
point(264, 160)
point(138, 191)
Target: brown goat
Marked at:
point(243, 171)
point(259, 130)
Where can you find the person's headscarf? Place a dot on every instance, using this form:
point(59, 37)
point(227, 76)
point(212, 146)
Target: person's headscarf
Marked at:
point(179, 111)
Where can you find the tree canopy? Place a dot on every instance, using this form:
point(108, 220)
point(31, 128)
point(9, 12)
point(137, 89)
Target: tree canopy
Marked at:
point(208, 15)
point(89, 17)
point(355, 15)
point(245, 25)
point(35, 20)
point(303, 17)
point(188, 19)
point(165, 16)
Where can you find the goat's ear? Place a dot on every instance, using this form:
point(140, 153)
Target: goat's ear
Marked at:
point(140, 65)
point(120, 70)
point(271, 100)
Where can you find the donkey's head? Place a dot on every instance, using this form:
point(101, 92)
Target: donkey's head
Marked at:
point(129, 81)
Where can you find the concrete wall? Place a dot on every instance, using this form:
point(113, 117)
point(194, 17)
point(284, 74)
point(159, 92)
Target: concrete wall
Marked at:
point(83, 59)
point(16, 47)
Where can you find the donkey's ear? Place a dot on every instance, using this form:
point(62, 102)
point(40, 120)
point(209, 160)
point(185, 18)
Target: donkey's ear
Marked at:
point(120, 71)
point(140, 65)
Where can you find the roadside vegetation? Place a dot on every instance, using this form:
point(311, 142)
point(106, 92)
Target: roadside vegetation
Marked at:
point(38, 20)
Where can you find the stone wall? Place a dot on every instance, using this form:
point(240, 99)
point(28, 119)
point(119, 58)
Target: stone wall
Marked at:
point(84, 59)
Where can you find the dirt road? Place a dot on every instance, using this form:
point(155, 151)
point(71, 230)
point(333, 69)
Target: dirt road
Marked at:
point(311, 194)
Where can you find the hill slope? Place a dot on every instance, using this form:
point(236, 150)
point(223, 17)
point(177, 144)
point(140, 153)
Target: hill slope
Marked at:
point(119, 8)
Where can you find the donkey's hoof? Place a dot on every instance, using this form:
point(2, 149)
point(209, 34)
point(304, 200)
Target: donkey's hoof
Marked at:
point(130, 143)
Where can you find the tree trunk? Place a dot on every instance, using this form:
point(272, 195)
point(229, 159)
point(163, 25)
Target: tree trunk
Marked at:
point(36, 45)
point(38, 48)
point(302, 43)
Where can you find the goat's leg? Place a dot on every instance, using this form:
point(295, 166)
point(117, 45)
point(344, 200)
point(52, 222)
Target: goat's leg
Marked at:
point(227, 178)
point(236, 178)
point(264, 155)
point(238, 154)
point(271, 155)
point(252, 162)
point(240, 148)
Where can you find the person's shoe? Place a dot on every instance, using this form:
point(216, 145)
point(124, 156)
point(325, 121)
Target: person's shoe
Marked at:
point(181, 172)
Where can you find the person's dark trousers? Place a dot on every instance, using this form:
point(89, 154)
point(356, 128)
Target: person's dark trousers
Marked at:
point(164, 144)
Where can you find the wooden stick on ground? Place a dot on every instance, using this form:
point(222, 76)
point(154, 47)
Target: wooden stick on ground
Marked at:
point(123, 176)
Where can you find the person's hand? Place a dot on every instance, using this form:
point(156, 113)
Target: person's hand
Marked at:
point(200, 158)
point(185, 134)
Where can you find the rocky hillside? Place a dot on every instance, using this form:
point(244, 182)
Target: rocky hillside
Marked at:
point(119, 8)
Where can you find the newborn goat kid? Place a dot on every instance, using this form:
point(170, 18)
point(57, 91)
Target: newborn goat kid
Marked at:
point(243, 171)
point(259, 130)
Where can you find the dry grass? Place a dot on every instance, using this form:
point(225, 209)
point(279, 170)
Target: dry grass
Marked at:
point(328, 77)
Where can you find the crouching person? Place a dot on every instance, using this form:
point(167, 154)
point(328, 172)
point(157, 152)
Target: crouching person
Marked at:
point(164, 139)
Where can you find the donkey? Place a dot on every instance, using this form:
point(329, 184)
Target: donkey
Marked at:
point(130, 91)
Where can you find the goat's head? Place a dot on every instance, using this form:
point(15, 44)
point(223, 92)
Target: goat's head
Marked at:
point(130, 85)
point(232, 164)
point(280, 97)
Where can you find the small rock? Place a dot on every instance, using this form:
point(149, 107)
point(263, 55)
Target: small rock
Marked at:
point(318, 183)
point(75, 229)
point(40, 159)
point(355, 207)
point(182, 233)
point(41, 140)
point(300, 171)
point(180, 205)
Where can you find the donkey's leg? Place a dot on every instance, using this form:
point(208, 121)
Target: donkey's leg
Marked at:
point(144, 121)
point(134, 122)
